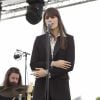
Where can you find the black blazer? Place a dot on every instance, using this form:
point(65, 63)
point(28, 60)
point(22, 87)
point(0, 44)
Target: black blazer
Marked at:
point(39, 55)
point(59, 81)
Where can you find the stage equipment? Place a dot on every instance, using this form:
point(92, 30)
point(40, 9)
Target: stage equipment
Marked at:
point(48, 57)
point(18, 8)
point(34, 11)
point(18, 55)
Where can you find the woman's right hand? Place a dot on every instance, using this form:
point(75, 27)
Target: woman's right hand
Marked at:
point(61, 64)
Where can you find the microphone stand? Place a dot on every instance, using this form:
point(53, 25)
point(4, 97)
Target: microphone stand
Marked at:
point(47, 60)
point(24, 54)
point(25, 66)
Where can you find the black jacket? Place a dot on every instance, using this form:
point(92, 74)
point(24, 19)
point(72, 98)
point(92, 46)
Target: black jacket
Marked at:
point(39, 55)
point(59, 81)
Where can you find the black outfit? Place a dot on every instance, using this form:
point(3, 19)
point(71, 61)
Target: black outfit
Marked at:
point(10, 92)
point(7, 96)
point(10, 98)
point(59, 81)
point(4, 98)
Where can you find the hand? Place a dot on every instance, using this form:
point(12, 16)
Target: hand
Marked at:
point(61, 64)
point(40, 72)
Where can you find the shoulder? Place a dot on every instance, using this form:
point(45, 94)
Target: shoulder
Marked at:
point(41, 36)
point(69, 36)
point(40, 39)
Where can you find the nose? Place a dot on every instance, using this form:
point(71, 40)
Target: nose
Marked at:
point(15, 80)
point(49, 21)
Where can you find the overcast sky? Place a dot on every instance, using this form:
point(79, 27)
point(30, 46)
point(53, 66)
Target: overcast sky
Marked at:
point(83, 22)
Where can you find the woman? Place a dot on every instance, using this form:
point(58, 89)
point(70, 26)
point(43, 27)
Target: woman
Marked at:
point(12, 80)
point(61, 58)
point(12, 77)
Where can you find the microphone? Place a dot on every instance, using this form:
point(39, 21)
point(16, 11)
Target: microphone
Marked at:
point(17, 55)
point(48, 27)
point(34, 11)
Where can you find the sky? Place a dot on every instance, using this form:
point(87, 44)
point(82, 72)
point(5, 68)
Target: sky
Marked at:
point(83, 22)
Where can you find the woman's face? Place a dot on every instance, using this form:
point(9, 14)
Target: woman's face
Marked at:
point(53, 21)
point(14, 79)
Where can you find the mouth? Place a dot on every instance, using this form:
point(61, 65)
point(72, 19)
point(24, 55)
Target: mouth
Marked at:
point(52, 24)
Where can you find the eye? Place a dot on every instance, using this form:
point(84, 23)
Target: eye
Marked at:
point(53, 16)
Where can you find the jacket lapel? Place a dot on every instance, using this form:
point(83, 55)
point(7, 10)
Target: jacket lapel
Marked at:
point(57, 47)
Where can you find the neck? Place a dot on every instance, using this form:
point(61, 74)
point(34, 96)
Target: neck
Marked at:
point(55, 32)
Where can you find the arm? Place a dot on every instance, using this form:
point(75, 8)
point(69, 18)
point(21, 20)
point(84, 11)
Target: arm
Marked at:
point(60, 67)
point(36, 62)
point(70, 56)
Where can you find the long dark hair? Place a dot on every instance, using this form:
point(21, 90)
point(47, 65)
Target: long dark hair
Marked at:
point(8, 73)
point(50, 12)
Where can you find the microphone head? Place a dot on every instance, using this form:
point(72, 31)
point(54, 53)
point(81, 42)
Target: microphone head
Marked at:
point(17, 55)
point(48, 27)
